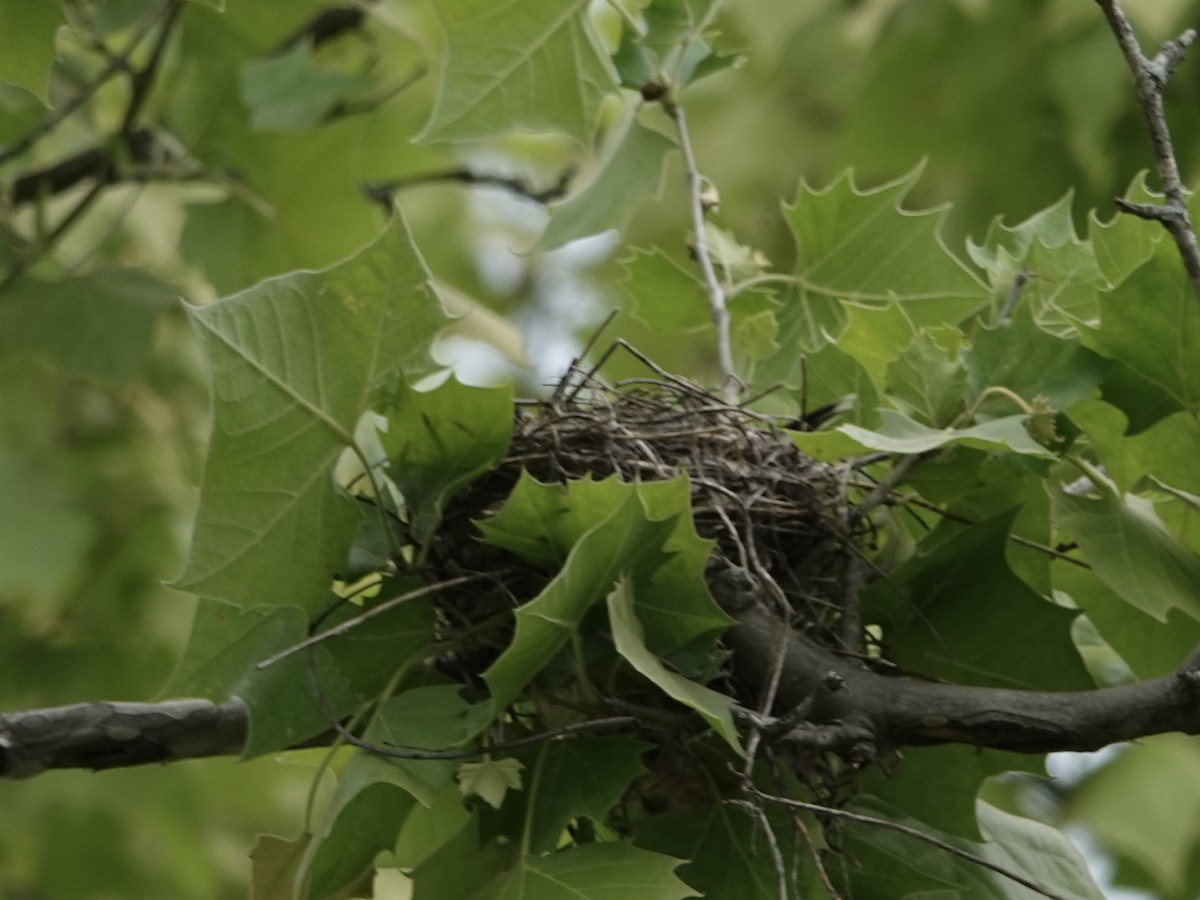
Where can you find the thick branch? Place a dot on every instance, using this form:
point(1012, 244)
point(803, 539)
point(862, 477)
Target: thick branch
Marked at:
point(870, 712)
point(111, 735)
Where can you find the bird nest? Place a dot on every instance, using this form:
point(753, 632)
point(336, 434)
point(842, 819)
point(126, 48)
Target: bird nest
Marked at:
point(776, 516)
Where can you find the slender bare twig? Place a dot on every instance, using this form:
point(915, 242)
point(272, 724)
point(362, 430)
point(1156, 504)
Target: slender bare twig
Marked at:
point(712, 285)
point(759, 815)
point(1150, 78)
point(882, 491)
point(371, 613)
point(381, 191)
point(909, 831)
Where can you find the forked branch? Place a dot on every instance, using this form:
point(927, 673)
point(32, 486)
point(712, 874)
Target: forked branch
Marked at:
point(1150, 78)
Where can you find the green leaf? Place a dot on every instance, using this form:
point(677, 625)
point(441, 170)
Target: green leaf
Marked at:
point(1151, 323)
point(276, 867)
point(629, 171)
point(28, 27)
point(435, 717)
point(956, 611)
point(724, 847)
point(1148, 646)
point(365, 817)
point(227, 643)
point(624, 540)
point(580, 777)
point(1125, 242)
point(664, 294)
point(295, 363)
point(594, 872)
point(1035, 851)
point(98, 327)
point(674, 43)
point(929, 378)
point(289, 92)
point(490, 780)
point(439, 441)
point(958, 771)
point(531, 65)
point(875, 336)
point(1132, 552)
point(861, 245)
point(900, 434)
point(1133, 811)
point(1166, 449)
point(630, 642)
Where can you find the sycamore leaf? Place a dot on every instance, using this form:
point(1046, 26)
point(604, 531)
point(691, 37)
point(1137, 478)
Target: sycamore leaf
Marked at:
point(929, 378)
point(673, 46)
point(226, 644)
point(900, 434)
point(1125, 242)
point(664, 293)
point(367, 812)
point(1030, 362)
point(605, 871)
point(28, 27)
point(579, 777)
point(1132, 552)
point(98, 327)
point(629, 171)
point(625, 539)
point(529, 65)
point(490, 780)
point(958, 612)
point(295, 363)
point(275, 866)
point(629, 639)
point(1151, 323)
point(894, 865)
point(542, 522)
point(440, 440)
point(289, 92)
point(862, 245)
point(724, 849)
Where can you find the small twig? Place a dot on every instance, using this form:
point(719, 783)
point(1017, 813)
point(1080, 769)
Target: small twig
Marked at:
point(381, 191)
point(852, 613)
point(371, 613)
point(1150, 77)
point(730, 384)
point(756, 812)
point(882, 491)
point(915, 833)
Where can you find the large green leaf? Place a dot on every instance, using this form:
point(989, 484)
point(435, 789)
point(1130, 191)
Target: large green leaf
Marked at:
point(929, 379)
point(1149, 820)
point(899, 434)
point(98, 327)
point(628, 173)
point(861, 245)
point(530, 65)
point(542, 522)
point(29, 27)
point(581, 777)
point(611, 871)
point(1030, 849)
point(289, 92)
point(725, 848)
point(438, 441)
point(624, 540)
point(226, 645)
point(957, 611)
point(1132, 552)
point(295, 362)
point(716, 708)
point(1151, 323)
point(364, 818)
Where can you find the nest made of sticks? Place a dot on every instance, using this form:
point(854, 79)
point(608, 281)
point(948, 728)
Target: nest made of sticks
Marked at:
point(776, 515)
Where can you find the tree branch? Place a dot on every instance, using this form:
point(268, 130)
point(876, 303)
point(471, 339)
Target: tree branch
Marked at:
point(1150, 78)
point(877, 712)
